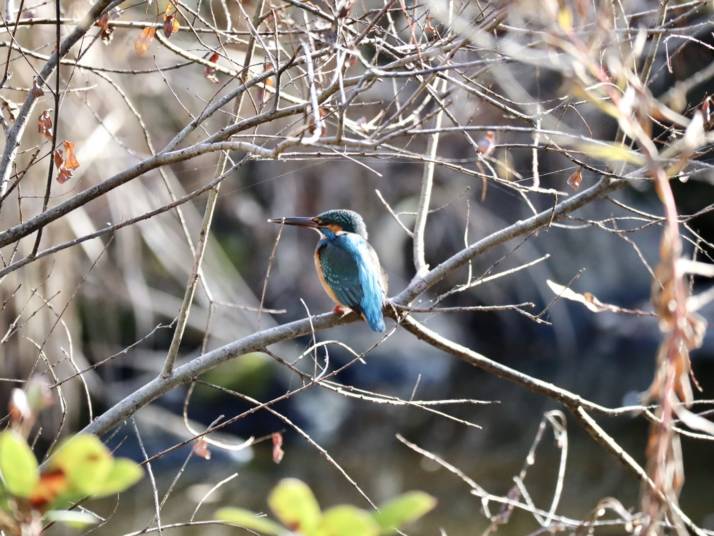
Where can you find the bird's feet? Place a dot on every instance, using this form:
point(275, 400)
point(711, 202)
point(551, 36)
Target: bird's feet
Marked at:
point(341, 310)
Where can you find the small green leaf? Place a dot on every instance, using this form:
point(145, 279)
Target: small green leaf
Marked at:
point(404, 509)
point(347, 521)
point(294, 505)
point(18, 464)
point(249, 520)
point(123, 474)
point(71, 518)
point(85, 461)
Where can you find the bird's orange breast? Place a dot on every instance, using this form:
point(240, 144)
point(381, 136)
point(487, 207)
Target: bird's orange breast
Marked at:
point(321, 276)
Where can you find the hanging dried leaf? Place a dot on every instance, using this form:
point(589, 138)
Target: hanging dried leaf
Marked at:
point(64, 175)
point(278, 452)
point(70, 159)
point(66, 161)
point(44, 124)
point(210, 72)
point(200, 449)
point(141, 45)
point(36, 90)
point(105, 31)
point(9, 109)
point(59, 160)
point(171, 25)
point(576, 178)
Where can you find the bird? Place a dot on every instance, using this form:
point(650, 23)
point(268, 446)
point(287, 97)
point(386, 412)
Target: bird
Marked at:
point(347, 265)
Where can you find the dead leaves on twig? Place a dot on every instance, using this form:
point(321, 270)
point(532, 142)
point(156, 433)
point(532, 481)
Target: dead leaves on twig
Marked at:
point(44, 124)
point(210, 72)
point(142, 44)
point(169, 26)
point(171, 23)
point(591, 302)
point(278, 452)
point(9, 109)
point(200, 448)
point(36, 90)
point(106, 32)
point(576, 178)
point(66, 160)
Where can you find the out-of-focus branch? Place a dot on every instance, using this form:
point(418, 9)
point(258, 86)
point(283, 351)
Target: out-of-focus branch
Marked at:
point(427, 182)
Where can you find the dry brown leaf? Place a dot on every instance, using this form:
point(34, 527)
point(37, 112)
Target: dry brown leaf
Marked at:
point(576, 178)
point(106, 32)
point(64, 175)
point(141, 45)
point(36, 90)
point(171, 23)
point(200, 449)
point(278, 452)
point(44, 124)
point(210, 72)
point(70, 159)
point(59, 160)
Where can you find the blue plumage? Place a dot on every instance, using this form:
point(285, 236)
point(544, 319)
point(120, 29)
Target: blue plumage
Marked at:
point(347, 265)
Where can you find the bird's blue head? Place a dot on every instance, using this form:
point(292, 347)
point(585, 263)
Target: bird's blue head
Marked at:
point(342, 220)
point(330, 222)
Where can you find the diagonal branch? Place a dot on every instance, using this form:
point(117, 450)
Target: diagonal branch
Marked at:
point(262, 339)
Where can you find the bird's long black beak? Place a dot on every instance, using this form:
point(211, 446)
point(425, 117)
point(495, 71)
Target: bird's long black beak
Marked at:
point(296, 220)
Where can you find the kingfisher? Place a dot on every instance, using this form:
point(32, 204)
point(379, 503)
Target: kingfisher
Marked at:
point(347, 265)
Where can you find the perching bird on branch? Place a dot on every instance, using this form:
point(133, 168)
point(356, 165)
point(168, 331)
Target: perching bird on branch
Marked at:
point(348, 267)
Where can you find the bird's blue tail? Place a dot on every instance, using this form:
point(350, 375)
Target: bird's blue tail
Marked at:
point(374, 317)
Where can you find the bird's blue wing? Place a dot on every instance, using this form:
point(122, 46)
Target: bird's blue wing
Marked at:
point(351, 269)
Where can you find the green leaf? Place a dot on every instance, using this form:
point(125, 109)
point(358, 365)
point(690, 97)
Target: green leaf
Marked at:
point(71, 518)
point(347, 521)
point(18, 464)
point(404, 509)
point(85, 461)
point(249, 520)
point(294, 505)
point(123, 474)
